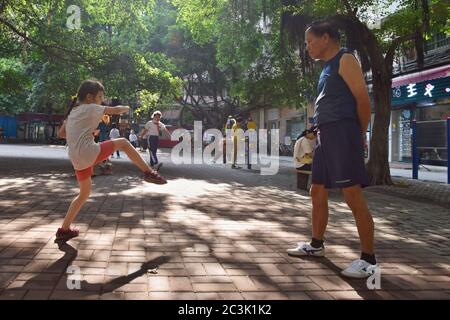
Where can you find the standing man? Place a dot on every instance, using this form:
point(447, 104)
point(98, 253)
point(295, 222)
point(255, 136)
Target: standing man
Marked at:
point(342, 114)
point(251, 125)
point(236, 126)
point(229, 124)
point(153, 129)
point(114, 134)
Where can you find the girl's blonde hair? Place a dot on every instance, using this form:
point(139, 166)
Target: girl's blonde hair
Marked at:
point(106, 118)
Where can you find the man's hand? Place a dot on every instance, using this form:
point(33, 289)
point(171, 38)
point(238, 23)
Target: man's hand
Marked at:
point(364, 139)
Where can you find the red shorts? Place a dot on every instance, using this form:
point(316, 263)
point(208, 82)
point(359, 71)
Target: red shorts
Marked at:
point(106, 149)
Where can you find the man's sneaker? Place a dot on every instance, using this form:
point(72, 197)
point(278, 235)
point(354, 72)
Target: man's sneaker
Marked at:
point(154, 177)
point(158, 166)
point(360, 269)
point(305, 249)
point(66, 234)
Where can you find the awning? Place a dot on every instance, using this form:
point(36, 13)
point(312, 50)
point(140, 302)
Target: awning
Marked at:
point(420, 76)
point(39, 117)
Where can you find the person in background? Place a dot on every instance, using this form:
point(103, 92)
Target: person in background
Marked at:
point(101, 135)
point(230, 122)
point(133, 138)
point(251, 125)
point(153, 129)
point(235, 127)
point(115, 134)
point(303, 150)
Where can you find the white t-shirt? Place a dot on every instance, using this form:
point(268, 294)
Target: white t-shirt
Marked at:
point(152, 128)
point(302, 147)
point(114, 133)
point(133, 137)
point(80, 124)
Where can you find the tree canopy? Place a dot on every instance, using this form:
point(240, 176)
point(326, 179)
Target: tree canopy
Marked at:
point(212, 57)
point(52, 60)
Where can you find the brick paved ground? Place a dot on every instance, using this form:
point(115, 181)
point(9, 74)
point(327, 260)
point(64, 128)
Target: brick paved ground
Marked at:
point(436, 193)
point(210, 233)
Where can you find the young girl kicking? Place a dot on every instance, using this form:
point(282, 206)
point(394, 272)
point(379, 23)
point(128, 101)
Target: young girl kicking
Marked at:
point(80, 122)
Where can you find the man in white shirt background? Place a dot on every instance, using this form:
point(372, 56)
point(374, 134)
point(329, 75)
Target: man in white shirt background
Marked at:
point(114, 134)
point(153, 129)
point(133, 138)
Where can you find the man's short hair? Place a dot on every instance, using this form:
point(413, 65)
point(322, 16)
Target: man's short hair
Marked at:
point(320, 27)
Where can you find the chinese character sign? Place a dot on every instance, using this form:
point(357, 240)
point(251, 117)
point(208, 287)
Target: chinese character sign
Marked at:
point(428, 89)
point(412, 90)
point(421, 91)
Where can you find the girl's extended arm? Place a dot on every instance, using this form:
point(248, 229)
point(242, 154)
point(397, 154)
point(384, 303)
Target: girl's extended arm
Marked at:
point(117, 110)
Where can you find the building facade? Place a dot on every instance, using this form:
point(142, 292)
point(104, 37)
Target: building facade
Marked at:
point(290, 121)
point(423, 96)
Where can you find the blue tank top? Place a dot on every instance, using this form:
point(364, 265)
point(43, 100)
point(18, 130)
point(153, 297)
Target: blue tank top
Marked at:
point(334, 101)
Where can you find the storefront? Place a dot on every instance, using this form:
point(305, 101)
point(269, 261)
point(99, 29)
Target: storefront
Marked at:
point(38, 127)
point(8, 127)
point(424, 98)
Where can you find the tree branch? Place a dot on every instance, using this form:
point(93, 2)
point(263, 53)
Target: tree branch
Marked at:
point(47, 48)
point(349, 9)
point(201, 84)
point(389, 58)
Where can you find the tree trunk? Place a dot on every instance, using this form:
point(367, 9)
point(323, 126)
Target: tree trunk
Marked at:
point(378, 166)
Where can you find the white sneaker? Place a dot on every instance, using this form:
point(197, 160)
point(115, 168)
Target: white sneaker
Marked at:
point(305, 249)
point(360, 269)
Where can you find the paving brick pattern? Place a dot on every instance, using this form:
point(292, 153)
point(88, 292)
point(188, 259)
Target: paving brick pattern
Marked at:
point(210, 233)
point(436, 193)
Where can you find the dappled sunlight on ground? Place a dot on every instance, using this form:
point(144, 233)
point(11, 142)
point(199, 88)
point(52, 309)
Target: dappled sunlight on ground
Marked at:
point(209, 231)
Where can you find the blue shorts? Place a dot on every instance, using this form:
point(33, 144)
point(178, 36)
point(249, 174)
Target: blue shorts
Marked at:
point(339, 155)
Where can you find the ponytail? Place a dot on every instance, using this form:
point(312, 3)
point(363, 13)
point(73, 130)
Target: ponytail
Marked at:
point(87, 87)
point(72, 104)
